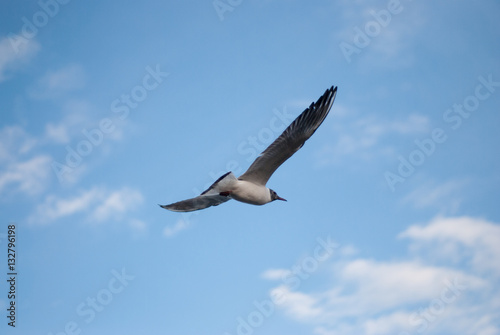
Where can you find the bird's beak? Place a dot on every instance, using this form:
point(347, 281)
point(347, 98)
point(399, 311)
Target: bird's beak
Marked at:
point(280, 198)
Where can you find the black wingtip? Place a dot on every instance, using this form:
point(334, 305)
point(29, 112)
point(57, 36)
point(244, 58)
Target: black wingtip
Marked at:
point(332, 89)
point(327, 97)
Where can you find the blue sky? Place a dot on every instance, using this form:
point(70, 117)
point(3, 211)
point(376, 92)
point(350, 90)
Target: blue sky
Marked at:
point(392, 224)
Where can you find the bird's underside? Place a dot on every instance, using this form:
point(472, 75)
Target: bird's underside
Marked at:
point(250, 187)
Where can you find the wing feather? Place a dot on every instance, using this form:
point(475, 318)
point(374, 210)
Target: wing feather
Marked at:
point(194, 204)
point(291, 140)
point(208, 198)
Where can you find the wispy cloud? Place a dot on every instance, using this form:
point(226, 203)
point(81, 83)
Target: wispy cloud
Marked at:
point(97, 204)
point(77, 115)
point(10, 60)
point(25, 161)
point(14, 141)
point(363, 137)
point(55, 208)
point(368, 296)
point(56, 83)
point(57, 133)
point(445, 196)
point(29, 176)
point(74, 120)
point(173, 230)
point(114, 204)
point(18, 172)
point(274, 274)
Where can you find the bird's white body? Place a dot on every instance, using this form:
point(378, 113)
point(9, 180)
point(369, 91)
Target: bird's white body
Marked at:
point(242, 190)
point(250, 193)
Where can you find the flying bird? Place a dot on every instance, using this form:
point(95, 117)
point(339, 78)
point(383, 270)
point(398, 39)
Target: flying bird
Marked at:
point(250, 187)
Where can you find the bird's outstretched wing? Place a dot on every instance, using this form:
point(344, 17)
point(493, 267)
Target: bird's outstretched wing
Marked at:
point(291, 140)
point(210, 197)
point(194, 204)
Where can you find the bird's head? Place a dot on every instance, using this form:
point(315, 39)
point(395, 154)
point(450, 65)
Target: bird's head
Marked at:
point(275, 196)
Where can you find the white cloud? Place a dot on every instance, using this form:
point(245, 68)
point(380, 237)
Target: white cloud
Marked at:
point(275, 274)
point(298, 305)
point(97, 203)
point(348, 250)
point(56, 83)
point(14, 141)
point(386, 285)
point(413, 294)
point(18, 173)
point(29, 176)
point(24, 169)
point(10, 59)
point(78, 115)
point(463, 238)
point(116, 203)
point(444, 196)
point(57, 132)
point(55, 208)
point(180, 225)
point(387, 324)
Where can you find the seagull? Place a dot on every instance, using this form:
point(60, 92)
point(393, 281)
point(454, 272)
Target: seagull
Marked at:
point(250, 187)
